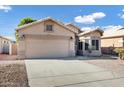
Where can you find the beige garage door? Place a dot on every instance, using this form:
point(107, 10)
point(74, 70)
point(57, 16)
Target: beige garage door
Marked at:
point(46, 48)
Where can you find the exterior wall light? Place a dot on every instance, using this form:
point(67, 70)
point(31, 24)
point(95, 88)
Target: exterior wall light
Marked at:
point(71, 38)
point(22, 37)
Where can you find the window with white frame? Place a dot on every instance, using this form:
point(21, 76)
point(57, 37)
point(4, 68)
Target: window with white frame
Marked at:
point(49, 27)
point(95, 44)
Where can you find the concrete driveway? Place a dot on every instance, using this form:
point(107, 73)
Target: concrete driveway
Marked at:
point(69, 72)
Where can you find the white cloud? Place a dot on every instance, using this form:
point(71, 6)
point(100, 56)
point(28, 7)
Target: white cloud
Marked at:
point(84, 19)
point(89, 19)
point(98, 15)
point(89, 28)
point(86, 28)
point(105, 28)
point(121, 16)
point(5, 8)
point(111, 27)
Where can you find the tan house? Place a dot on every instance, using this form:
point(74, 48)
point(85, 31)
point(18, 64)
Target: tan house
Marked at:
point(90, 43)
point(112, 39)
point(46, 38)
point(49, 38)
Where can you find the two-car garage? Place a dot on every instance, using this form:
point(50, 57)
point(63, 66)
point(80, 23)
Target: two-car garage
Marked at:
point(46, 48)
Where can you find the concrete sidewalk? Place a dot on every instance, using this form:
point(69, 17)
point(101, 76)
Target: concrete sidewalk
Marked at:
point(53, 72)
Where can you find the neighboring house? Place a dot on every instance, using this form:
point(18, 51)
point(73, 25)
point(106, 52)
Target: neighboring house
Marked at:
point(49, 38)
point(90, 43)
point(4, 45)
point(46, 38)
point(112, 39)
point(7, 46)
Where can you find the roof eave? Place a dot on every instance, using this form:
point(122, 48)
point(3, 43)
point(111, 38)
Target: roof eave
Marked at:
point(101, 32)
point(48, 18)
point(72, 25)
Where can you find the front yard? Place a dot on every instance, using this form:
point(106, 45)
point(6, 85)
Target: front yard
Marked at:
point(13, 74)
point(76, 71)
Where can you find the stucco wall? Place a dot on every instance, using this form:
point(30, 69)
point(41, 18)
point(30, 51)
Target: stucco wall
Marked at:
point(109, 44)
point(112, 42)
point(76, 30)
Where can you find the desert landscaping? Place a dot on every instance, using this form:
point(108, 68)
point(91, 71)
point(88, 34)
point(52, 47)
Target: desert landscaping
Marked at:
point(13, 74)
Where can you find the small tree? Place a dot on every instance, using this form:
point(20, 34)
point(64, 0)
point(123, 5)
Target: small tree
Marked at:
point(24, 21)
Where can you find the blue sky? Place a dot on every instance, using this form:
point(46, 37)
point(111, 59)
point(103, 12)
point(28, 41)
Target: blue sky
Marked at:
point(84, 16)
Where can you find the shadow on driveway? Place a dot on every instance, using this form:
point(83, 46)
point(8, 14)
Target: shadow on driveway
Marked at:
point(103, 57)
point(90, 58)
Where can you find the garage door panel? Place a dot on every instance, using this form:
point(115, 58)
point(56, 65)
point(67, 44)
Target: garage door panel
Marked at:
point(46, 48)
